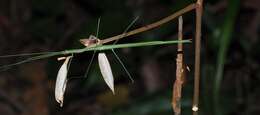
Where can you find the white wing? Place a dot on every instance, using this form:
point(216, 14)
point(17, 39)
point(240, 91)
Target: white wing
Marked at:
point(61, 82)
point(106, 70)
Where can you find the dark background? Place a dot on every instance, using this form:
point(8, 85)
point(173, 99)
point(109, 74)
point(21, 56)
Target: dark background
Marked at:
point(229, 42)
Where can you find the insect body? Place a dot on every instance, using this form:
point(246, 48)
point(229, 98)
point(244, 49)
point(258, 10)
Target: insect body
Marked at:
point(102, 58)
point(90, 42)
point(103, 62)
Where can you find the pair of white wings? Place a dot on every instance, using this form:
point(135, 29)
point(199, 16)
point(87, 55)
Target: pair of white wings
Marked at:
point(61, 80)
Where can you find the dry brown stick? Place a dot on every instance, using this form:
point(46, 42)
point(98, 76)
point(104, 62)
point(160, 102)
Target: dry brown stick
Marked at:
point(199, 10)
point(180, 35)
point(177, 87)
point(150, 26)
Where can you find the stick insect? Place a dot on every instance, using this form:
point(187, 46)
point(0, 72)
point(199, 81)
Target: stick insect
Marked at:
point(198, 6)
point(104, 64)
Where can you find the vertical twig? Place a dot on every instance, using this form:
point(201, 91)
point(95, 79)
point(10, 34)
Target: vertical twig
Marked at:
point(199, 10)
point(180, 35)
point(177, 87)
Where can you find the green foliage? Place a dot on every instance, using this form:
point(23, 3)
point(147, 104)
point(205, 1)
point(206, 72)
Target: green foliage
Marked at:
point(225, 39)
point(220, 42)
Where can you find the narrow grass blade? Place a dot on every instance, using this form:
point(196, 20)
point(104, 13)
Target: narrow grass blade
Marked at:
point(100, 48)
point(6, 67)
point(140, 44)
point(225, 39)
point(24, 54)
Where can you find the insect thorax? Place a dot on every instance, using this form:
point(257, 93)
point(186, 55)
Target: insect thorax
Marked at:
point(90, 42)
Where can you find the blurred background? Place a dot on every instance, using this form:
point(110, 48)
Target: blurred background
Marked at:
point(230, 57)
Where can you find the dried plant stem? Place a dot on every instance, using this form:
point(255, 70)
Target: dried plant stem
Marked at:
point(177, 87)
point(151, 26)
point(199, 10)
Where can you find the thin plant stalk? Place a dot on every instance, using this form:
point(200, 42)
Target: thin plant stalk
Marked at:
point(99, 48)
point(177, 87)
point(199, 10)
point(151, 26)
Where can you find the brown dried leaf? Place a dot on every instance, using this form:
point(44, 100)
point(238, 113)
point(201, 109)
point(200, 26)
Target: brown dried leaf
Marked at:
point(177, 87)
